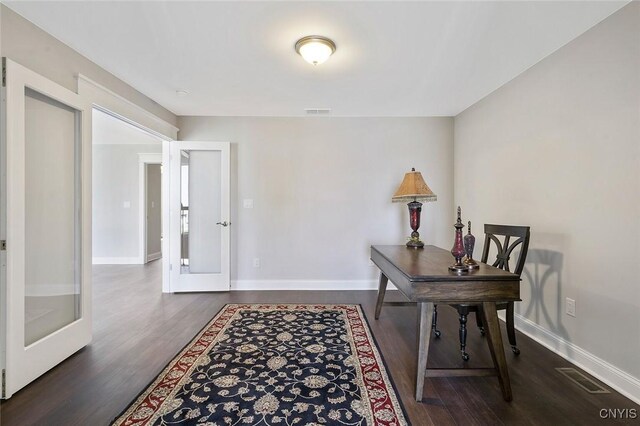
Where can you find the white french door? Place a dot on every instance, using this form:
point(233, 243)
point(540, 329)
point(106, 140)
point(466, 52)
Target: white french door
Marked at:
point(46, 285)
point(199, 198)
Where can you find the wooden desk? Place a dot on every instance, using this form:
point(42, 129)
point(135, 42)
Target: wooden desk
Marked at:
point(422, 275)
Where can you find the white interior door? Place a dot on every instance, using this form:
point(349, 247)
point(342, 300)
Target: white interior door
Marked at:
point(199, 222)
point(47, 212)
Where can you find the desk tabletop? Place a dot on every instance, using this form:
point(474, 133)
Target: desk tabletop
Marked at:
point(431, 264)
point(423, 277)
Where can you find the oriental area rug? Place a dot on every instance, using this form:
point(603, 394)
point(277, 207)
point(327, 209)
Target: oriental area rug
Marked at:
point(274, 365)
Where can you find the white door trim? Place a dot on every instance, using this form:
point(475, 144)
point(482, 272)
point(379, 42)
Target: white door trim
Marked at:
point(166, 216)
point(123, 109)
point(143, 160)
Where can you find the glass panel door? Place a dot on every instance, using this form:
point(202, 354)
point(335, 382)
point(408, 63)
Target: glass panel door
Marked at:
point(48, 262)
point(200, 235)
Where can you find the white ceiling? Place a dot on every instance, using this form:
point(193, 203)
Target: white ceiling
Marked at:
point(393, 58)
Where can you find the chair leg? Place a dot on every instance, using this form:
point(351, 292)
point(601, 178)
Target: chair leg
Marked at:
point(463, 335)
point(511, 331)
point(434, 324)
point(479, 322)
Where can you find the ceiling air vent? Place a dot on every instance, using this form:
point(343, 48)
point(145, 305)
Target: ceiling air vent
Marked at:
point(317, 111)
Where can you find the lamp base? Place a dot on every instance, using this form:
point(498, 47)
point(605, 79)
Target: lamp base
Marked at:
point(417, 244)
point(415, 207)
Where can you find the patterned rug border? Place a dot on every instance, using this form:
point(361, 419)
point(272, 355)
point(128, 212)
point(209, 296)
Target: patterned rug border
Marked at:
point(384, 363)
point(159, 376)
point(173, 358)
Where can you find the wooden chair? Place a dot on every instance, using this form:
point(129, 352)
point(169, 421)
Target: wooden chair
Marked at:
point(492, 233)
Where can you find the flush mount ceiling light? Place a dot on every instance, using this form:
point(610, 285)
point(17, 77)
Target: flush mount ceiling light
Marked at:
point(315, 49)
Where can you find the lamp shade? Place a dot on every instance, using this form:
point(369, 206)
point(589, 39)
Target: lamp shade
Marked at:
point(413, 187)
point(315, 49)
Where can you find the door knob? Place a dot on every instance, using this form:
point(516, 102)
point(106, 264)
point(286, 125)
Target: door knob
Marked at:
point(225, 223)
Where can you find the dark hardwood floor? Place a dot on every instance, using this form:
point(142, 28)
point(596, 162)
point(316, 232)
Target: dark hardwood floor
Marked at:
point(138, 330)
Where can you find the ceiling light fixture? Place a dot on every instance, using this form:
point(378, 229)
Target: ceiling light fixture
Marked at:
point(315, 49)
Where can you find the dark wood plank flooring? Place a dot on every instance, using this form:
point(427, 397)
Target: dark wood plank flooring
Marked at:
point(138, 330)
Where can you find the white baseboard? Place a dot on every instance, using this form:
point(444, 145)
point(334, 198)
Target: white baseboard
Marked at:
point(619, 380)
point(117, 261)
point(243, 285)
point(48, 290)
point(154, 256)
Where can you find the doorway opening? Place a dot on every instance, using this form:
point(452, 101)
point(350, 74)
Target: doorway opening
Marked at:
point(127, 182)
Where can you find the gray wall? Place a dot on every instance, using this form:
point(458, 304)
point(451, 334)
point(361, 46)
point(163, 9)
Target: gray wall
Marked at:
point(116, 181)
point(322, 190)
point(558, 148)
point(39, 51)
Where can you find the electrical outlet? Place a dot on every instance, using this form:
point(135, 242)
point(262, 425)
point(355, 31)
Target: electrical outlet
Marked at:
point(371, 263)
point(247, 203)
point(256, 262)
point(571, 307)
point(126, 204)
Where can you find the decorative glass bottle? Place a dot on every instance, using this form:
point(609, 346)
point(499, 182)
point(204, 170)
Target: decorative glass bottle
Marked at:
point(469, 244)
point(458, 247)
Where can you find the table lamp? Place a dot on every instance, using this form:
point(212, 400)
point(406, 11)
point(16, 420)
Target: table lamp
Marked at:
point(414, 189)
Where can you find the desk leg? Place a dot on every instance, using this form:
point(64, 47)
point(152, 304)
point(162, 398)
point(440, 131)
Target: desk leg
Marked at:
point(425, 318)
point(382, 289)
point(494, 339)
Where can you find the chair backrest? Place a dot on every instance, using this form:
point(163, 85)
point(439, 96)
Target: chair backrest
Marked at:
point(506, 247)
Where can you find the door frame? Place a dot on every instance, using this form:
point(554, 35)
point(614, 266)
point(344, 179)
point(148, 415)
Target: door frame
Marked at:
point(144, 159)
point(109, 102)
